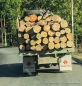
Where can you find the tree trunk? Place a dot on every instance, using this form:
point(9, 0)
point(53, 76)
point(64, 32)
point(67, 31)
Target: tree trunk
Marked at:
point(67, 30)
point(63, 45)
point(21, 47)
point(22, 23)
point(56, 18)
point(26, 18)
point(38, 41)
point(64, 24)
point(51, 33)
point(45, 41)
point(39, 18)
point(33, 18)
point(32, 47)
point(56, 26)
point(27, 41)
point(36, 29)
point(69, 43)
point(32, 42)
point(43, 34)
point(51, 39)
point(62, 31)
point(46, 28)
point(28, 24)
point(57, 34)
point(21, 28)
point(51, 45)
point(38, 35)
point(39, 47)
point(26, 36)
point(56, 40)
point(20, 35)
point(63, 38)
point(57, 46)
point(42, 22)
point(70, 36)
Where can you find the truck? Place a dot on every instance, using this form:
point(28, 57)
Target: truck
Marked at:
point(33, 60)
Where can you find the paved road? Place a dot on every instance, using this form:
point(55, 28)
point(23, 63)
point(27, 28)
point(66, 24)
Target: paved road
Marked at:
point(11, 73)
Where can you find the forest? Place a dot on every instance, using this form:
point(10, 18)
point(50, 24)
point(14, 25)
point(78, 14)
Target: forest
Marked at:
point(11, 9)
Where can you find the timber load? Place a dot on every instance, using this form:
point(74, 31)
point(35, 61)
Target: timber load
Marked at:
point(37, 33)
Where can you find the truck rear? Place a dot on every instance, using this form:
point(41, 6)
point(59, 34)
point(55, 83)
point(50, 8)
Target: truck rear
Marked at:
point(44, 39)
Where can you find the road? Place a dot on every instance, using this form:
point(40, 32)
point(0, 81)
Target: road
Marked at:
point(11, 72)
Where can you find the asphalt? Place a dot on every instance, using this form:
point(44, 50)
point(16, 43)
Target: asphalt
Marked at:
point(11, 72)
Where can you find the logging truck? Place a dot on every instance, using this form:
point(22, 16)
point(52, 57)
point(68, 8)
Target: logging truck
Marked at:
point(44, 39)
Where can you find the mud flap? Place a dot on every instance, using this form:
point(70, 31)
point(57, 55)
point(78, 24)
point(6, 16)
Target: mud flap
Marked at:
point(29, 65)
point(65, 63)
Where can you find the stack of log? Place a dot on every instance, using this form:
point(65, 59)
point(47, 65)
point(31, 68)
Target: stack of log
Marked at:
point(39, 33)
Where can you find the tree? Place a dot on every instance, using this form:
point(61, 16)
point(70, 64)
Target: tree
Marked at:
point(12, 8)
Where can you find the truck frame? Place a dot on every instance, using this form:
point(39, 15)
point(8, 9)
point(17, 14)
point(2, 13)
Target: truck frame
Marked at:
point(33, 60)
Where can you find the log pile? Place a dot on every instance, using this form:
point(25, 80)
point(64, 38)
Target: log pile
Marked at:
point(38, 33)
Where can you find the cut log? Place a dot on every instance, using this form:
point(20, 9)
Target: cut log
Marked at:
point(32, 42)
point(28, 24)
point(27, 41)
point(51, 33)
point(63, 45)
point(63, 38)
point(39, 47)
point(29, 30)
point(56, 40)
point(45, 41)
point(33, 18)
point(45, 47)
point(21, 47)
point(22, 23)
point(57, 46)
point(46, 28)
point(49, 18)
point(38, 35)
point(26, 18)
point(21, 28)
point(46, 16)
point(43, 34)
point(57, 34)
point(64, 24)
point(50, 23)
point(42, 22)
point(21, 40)
point(51, 45)
point(26, 36)
point(32, 47)
point(36, 29)
point(20, 35)
point(70, 36)
point(17, 23)
point(56, 26)
point(38, 41)
point(56, 18)
point(39, 18)
point(62, 31)
point(69, 43)
point(27, 47)
point(67, 30)
point(51, 39)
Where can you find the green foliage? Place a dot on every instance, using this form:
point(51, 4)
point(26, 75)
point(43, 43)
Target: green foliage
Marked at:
point(12, 8)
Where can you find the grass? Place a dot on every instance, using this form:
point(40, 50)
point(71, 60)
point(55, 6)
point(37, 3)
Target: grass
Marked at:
point(78, 53)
